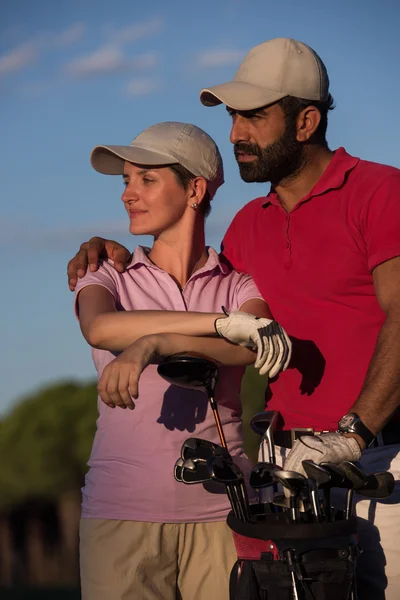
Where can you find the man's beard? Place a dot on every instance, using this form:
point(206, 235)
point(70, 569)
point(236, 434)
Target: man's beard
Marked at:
point(278, 161)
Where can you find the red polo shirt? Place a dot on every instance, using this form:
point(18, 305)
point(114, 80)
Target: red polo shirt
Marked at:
point(314, 268)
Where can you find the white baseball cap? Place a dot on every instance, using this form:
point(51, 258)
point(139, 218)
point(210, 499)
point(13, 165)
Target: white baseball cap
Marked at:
point(166, 144)
point(270, 71)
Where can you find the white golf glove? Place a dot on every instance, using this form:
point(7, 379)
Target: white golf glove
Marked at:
point(271, 341)
point(327, 447)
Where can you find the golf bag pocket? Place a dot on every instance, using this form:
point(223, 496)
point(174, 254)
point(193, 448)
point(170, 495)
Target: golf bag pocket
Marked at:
point(278, 560)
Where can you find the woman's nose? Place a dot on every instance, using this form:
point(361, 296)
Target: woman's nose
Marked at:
point(129, 194)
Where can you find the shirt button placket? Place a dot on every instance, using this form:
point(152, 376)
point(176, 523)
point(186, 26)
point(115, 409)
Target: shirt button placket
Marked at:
point(288, 253)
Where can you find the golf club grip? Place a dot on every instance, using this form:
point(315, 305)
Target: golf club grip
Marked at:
point(378, 485)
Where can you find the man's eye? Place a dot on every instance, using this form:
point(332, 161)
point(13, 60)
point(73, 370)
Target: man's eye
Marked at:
point(125, 183)
point(148, 180)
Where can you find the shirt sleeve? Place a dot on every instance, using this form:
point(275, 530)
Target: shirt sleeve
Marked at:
point(102, 277)
point(245, 290)
point(380, 221)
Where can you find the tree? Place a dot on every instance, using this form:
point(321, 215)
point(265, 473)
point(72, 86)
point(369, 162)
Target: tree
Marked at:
point(45, 442)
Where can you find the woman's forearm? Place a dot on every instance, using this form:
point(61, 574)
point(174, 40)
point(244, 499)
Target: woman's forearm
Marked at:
point(116, 331)
point(214, 348)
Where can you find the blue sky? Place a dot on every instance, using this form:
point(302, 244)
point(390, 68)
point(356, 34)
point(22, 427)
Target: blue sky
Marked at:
point(78, 73)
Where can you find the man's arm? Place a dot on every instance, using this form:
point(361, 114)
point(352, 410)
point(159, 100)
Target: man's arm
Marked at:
point(89, 254)
point(380, 395)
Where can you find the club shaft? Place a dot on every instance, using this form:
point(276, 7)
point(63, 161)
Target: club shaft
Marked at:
point(349, 504)
point(232, 502)
point(218, 422)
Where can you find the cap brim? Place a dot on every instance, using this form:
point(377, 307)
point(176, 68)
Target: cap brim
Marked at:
point(110, 160)
point(239, 95)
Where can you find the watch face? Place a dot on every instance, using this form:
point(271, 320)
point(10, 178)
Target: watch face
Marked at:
point(346, 421)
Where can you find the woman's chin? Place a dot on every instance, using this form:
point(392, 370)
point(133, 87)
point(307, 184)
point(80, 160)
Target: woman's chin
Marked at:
point(136, 230)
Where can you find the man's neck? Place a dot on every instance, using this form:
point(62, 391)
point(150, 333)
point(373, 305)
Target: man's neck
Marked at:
point(293, 189)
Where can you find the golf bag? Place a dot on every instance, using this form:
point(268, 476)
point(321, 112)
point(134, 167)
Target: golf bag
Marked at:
point(278, 560)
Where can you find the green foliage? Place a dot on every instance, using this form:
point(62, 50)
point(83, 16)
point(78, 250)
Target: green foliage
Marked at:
point(45, 442)
point(253, 401)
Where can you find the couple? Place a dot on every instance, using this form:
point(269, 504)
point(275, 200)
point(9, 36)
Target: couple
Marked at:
point(323, 249)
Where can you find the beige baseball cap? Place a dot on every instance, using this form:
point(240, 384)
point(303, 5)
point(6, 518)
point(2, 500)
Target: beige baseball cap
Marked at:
point(166, 143)
point(270, 71)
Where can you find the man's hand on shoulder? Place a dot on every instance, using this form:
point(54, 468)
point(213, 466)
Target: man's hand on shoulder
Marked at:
point(89, 255)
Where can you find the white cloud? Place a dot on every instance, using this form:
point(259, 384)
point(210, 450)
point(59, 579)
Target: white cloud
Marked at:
point(143, 86)
point(18, 58)
point(70, 36)
point(27, 53)
point(99, 62)
point(108, 60)
point(219, 58)
point(137, 31)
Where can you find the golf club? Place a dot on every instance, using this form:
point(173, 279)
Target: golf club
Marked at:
point(264, 423)
point(295, 483)
point(322, 480)
point(178, 470)
point(226, 472)
point(355, 479)
point(261, 475)
point(194, 372)
point(202, 449)
point(193, 471)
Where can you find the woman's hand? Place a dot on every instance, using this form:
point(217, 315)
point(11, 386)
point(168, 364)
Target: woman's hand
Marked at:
point(118, 384)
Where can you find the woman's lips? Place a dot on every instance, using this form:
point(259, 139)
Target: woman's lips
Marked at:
point(136, 213)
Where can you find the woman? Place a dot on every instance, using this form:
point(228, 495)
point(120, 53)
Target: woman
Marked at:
point(143, 535)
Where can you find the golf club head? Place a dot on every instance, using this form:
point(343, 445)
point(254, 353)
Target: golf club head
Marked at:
point(357, 478)
point(261, 475)
point(204, 449)
point(316, 472)
point(194, 471)
point(178, 470)
point(223, 470)
point(189, 371)
point(378, 485)
point(263, 421)
point(291, 480)
point(336, 473)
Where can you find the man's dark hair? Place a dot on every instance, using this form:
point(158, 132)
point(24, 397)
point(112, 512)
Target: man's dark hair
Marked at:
point(184, 177)
point(293, 106)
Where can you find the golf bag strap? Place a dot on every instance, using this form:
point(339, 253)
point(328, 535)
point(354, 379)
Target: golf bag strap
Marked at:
point(278, 530)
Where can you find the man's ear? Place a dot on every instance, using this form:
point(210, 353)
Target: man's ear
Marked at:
point(307, 123)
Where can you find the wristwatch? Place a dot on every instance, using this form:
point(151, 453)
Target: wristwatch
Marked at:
point(351, 423)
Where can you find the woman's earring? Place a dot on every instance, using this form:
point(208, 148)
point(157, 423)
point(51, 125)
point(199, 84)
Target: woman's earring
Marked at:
point(194, 205)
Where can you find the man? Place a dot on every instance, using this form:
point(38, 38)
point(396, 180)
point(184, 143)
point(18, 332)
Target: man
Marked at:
point(324, 249)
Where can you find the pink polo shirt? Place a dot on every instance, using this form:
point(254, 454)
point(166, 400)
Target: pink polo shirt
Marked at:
point(134, 452)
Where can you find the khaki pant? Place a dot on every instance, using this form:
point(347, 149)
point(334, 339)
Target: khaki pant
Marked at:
point(130, 560)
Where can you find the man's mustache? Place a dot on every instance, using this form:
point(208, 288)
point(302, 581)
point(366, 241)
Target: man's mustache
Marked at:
point(253, 149)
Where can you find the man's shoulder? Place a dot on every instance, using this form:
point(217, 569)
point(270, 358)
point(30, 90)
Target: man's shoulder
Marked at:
point(368, 170)
point(251, 209)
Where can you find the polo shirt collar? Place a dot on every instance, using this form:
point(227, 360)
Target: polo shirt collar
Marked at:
point(333, 177)
point(140, 258)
